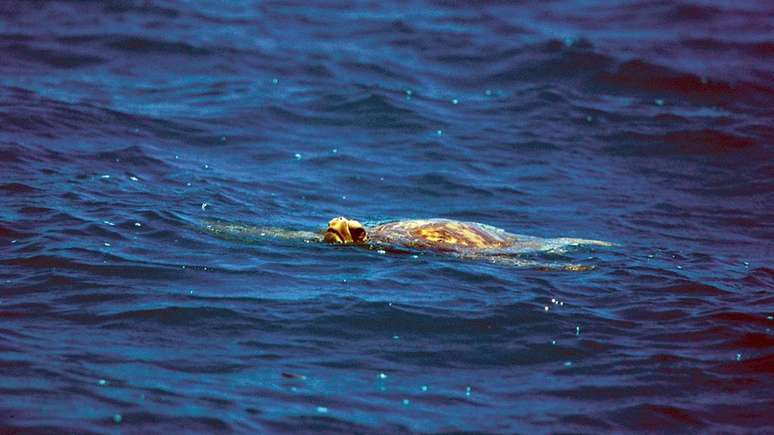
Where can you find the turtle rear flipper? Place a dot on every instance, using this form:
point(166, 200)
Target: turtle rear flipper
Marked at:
point(524, 263)
point(561, 245)
point(569, 241)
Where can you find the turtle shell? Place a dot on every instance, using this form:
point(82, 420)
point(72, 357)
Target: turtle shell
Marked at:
point(442, 235)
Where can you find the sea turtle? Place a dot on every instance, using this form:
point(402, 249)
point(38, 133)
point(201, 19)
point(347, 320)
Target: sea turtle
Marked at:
point(468, 240)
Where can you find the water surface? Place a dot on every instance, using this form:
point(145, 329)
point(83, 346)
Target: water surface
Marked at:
point(125, 125)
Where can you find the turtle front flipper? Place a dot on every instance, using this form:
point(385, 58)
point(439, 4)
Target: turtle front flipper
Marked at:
point(242, 232)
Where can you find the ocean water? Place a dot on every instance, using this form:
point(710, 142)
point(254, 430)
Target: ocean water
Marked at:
point(125, 126)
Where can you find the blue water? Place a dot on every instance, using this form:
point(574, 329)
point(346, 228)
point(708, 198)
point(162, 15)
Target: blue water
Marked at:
point(126, 125)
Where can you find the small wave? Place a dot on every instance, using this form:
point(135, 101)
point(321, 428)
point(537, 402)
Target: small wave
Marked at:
point(59, 58)
point(761, 277)
point(141, 8)
point(161, 422)
point(17, 188)
point(136, 44)
point(711, 45)
point(14, 152)
point(173, 316)
point(685, 142)
point(444, 185)
point(379, 111)
point(649, 415)
point(135, 156)
point(641, 76)
point(26, 113)
point(371, 111)
point(47, 262)
point(10, 232)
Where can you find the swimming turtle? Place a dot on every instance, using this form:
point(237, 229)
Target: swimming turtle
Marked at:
point(469, 240)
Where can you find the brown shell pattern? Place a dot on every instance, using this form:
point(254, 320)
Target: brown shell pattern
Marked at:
point(443, 234)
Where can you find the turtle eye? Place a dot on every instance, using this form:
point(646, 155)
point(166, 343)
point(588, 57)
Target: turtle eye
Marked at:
point(358, 234)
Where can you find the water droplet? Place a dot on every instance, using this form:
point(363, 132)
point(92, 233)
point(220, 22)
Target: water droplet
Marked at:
point(204, 205)
point(589, 119)
point(423, 388)
point(406, 402)
point(680, 267)
point(455, 101)
point(274, 81)
point(117, 418)
point(553, 341)
point(488, 92)
point(102, 382)
point(568, 363)
point(577, 331)
point(415, 256)
point(396, 337)
point(107, 244)
point(382, 376)
point(467, 391)
point(297, 156)
point(322, 410)
point(105, 176)
point(739, 357)
point(659, 102)
point(767, 317)
point(133, 178)
point(439, 132)
point(109, 223)
point(335, 150)
point(546, 308)
point(137, 224)
point(381, 251)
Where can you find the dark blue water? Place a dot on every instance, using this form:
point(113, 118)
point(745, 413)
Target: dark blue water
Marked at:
point(125, 125)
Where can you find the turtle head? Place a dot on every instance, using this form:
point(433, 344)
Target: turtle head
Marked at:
point(345, 231)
